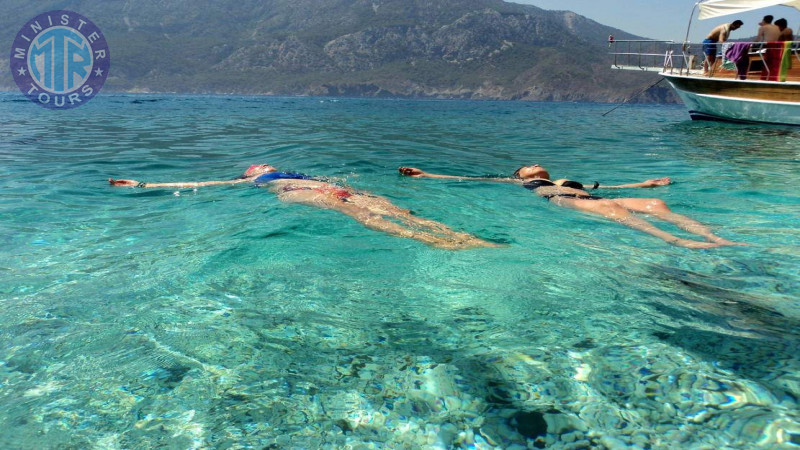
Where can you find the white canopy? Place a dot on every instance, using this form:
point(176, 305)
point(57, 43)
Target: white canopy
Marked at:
point(715, 8)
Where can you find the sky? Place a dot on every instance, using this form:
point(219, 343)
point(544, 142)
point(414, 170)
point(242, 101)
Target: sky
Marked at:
point(663, 19)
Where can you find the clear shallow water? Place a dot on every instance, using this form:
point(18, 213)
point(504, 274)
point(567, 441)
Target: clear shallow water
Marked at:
point(222, 317)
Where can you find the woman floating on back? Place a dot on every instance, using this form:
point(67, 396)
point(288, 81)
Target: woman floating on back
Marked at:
point(571, 194)
point(375, 212)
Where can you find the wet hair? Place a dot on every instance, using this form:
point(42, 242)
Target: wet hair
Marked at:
point(781, 23)
point(737, 22)
point(768, 19)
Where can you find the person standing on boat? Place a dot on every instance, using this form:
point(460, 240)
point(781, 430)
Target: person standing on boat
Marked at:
point(768, 31)
point(777, 55)
point(717, 36)
point(786, 33)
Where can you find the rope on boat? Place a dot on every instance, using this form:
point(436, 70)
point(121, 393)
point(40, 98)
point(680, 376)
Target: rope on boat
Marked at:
point(633, 97)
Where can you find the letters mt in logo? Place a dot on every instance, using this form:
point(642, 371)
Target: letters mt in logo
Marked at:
point(60, 59)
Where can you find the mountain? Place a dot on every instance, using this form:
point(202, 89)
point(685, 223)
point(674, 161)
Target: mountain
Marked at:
point(483, 49)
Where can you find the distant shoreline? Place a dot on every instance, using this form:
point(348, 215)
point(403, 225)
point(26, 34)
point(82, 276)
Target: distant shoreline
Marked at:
point(7, 90)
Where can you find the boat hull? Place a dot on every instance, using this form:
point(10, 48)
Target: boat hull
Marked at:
point(738, 100)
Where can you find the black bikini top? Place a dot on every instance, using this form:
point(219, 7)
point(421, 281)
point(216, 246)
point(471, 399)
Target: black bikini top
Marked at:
point(537, 183)
point(572, 184)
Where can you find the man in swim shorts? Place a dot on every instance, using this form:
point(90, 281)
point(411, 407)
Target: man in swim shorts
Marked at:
point(717, 36)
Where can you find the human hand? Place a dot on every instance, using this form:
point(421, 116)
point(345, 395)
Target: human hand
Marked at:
point(122, 182)
point(411, 172)
point(658, 181)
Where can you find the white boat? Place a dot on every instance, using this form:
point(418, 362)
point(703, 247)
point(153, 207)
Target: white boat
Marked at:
point(769, 92)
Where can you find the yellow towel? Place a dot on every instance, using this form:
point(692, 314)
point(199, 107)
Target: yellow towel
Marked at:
point(786, 60)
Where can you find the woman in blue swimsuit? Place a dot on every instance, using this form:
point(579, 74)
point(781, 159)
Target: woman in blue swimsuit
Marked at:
point(375, 212)
point(571, 194)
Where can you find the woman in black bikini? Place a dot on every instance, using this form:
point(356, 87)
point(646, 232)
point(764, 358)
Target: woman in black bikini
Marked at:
point(571, 194)
point(375, 212)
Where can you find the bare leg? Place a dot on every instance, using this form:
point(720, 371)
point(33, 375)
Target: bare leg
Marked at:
point(375, 217)
point(708, 64)
point(377, 204)
point(384, 207)
point(416, 221)
point(657, 208)
point(439, 236)
point(617, 213)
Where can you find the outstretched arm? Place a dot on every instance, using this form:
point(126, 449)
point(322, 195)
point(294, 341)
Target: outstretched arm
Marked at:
point(644, 184)
point(180, 184)
point(417, 173)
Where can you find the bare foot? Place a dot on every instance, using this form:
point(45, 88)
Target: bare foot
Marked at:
point(476, 242)
point(726, 242)
point(482, 243)
point(459, 244)
point(659, 181)
point(695, 244)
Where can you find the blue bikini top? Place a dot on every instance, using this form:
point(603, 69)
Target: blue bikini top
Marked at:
point(272, 176)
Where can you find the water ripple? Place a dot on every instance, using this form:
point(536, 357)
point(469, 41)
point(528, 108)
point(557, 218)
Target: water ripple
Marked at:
point(221, 317)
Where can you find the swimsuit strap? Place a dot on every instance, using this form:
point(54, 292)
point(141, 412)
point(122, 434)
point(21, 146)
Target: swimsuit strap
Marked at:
point(581, 197)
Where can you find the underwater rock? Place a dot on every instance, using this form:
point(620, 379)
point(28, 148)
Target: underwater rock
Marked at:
point(530, 424)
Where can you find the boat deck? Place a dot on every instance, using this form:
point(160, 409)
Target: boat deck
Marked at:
point(683, 60)
point(756, 70)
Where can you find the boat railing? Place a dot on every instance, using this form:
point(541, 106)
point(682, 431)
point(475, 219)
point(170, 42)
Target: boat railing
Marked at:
point(646, 55)
point(769, 61)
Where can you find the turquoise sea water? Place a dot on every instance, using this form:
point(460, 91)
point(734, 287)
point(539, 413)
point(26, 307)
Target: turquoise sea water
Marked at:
point(220, 317)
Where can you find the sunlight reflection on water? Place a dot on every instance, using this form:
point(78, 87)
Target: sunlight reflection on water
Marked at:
point(223, 317)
